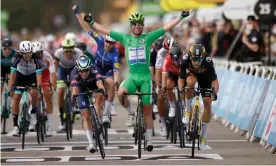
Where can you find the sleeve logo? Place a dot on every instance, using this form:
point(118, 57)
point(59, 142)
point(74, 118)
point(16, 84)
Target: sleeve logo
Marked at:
point(117, 65)
point(208, 59)
point(95, 34)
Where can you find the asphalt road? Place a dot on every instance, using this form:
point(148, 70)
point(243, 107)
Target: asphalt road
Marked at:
point(225, 147)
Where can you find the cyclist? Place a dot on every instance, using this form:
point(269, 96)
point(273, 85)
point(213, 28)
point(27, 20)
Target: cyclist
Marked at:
point(86, 76)
point(107, 59)
point(65, 59)
point(170, 72)
point(137, 46)
point(162, 53)
point(82, 46)
point(200, 69)
point(70, 35)
point(47, 72)
point(7, 53)
point(25, 71)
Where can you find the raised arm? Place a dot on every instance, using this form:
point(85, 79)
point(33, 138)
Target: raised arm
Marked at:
point(175, 21)
point(88, 19)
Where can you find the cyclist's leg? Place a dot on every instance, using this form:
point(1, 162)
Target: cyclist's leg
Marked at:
point(61, 77)
point(171, 83)
point(205, 82)
point(191, 81)
point(127, 86)
point(48, 100)
point(109, 86)
point(3, 76)
point(15, 103)
point(83, 104)
point(34, 100)
point(146, 87)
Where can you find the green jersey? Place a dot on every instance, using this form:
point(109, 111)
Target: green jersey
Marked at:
point(137, 49)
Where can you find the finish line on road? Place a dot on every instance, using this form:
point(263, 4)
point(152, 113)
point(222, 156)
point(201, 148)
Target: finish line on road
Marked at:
point(110, 157)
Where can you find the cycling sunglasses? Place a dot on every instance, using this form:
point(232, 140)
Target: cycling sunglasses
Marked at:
point(196, 59)
point(110, 42)
point(137, 24)
point(83, 70)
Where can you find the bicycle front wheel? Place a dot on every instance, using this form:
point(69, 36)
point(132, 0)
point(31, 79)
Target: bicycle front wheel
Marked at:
point(139, 130)
point(97, 131)
point(23, 126)
point(194, 132)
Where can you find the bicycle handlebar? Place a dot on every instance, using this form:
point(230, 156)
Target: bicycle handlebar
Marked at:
point(89, 92)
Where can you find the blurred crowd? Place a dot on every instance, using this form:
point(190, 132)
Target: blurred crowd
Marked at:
point(217, 37)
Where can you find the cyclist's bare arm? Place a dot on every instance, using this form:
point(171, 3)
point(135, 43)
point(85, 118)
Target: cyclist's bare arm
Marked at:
point(12, 80)
point(181, 83)
point(83, 24)
point(75, 90)
point(100, 84)
point(39, 80)
point(173, 23)
point(158, 76)
point(116, 76)
point(164, 79)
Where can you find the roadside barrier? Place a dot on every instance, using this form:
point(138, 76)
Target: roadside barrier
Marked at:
point(247, 100)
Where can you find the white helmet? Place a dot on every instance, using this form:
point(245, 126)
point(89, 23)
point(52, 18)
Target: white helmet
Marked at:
point(108, 38)
point(37, 46)
point(70, 35)
point(50, 38)
point(25, 47)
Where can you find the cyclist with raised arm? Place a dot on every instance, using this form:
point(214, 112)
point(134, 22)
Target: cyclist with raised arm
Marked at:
point(86, 77)
point(200, 69)
point(162, 53)
point(137, 47)
point(107, 60)
point(7, 53)
point(25, 71)
point(65, 61)
point(48, 76)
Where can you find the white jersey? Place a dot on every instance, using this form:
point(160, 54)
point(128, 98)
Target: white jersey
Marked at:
point(48, 61)
point(161, 54)
point(64, 61)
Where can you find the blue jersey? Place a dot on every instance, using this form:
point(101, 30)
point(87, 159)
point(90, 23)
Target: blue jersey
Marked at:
point(106, 61)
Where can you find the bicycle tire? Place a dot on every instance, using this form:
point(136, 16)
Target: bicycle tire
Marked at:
point(23, 123)
point(4, 126)
point(38, 132)
point(42, 132)
point(68, 126)
point(97, 133)
point(180, 126)
point(194, 133)
point(106, 134)
point(139, 130)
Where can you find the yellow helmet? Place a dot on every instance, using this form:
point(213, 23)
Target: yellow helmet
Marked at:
point(68, 44)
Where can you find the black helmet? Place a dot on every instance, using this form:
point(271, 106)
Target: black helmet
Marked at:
point(159, 43)
point(197, 52)
point(6, 42)
point(81, 46)
point(176, 52)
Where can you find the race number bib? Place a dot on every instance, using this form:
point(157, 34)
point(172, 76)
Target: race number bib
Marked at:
point(137, 55)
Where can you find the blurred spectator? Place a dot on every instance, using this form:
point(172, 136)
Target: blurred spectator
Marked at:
point(210, 39)
point(253, 43)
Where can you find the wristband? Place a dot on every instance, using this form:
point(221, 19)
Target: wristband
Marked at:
point(92, 22)
point(77, 11)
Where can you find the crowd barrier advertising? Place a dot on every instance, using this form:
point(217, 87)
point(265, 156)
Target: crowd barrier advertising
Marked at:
point(248, 101)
